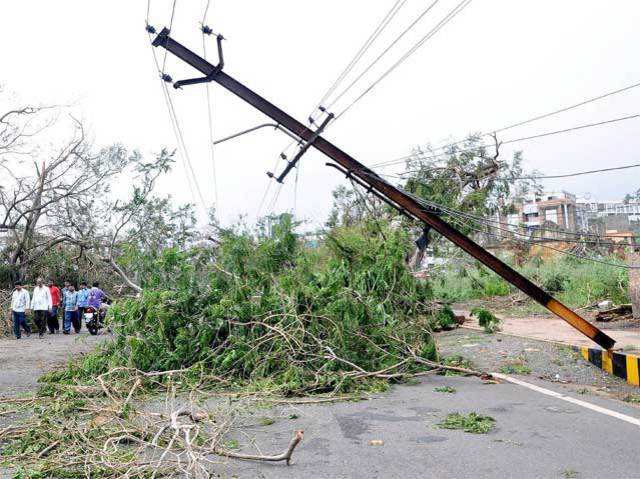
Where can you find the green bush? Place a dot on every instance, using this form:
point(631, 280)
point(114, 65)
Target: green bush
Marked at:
point(486, 320)
point(271, 312)
point(575, 282)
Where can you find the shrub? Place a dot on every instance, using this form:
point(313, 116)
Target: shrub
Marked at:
point(269, 311)
point(486, 320)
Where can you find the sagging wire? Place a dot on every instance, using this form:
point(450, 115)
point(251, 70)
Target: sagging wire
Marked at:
point(206, 31)
point(164, 79)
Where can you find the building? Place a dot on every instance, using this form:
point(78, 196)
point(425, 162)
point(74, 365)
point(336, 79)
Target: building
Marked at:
point(599, 216)
point(542, 215)
point(556, 208)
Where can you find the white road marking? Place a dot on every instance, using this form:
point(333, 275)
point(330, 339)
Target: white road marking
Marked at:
point(587, 405)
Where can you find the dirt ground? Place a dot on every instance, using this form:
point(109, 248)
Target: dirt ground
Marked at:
point(533, 359)
point(23, 361)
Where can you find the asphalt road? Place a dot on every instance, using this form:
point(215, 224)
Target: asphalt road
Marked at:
point(536, 436)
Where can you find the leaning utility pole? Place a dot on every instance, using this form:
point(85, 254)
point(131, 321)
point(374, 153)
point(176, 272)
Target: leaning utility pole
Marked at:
point(374, 183)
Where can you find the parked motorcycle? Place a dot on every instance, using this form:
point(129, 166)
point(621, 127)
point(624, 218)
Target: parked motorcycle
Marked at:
point(94, 319)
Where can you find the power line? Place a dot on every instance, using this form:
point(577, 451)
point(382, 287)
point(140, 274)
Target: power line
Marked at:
point(545, 115)
point(500, 226)
point(384, 52)
point(533, 177)
point(464, 216)
point(363, 49)
point(210, 115)
point(457, 9)
point(173, 12)
point(173, 116)
point(506, 142)
point(568, 253)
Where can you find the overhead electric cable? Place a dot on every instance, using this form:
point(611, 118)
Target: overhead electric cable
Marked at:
point(184, 154)
point(363, 49)
point(210, 116)
point(384, 52)
point(545, 115)
point(506, 142)
point(455, 11)
point(173, 12)
point(532, 177)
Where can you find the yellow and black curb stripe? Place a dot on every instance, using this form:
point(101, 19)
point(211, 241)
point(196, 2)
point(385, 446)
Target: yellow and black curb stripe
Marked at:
point(625, 366)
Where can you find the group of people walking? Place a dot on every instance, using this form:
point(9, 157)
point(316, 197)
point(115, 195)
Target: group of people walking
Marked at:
point(46, 301)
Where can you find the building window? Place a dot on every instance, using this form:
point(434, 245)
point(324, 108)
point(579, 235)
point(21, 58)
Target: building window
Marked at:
point(551, 215)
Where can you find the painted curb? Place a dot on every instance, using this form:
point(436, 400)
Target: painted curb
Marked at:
point(625, 366)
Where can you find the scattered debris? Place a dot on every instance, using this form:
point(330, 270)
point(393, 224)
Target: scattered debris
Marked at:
point(487, 320)
point(473, 423)
point(445, 389)
point(619, 313)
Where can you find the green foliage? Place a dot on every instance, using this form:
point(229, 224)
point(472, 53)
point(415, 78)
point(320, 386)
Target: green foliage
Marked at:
point(445, 389)
point(486, 319)
point(574, 282)
point(460, 284)
point(632, 398)
point(473, 423)
point(443, 319)
point(269, 312)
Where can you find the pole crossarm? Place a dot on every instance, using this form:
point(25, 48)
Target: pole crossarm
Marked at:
point(383, 188)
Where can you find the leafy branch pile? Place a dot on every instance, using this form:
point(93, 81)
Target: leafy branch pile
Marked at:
point(280, 316)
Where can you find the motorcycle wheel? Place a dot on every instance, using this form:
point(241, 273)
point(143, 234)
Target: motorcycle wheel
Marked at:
point(92, 330)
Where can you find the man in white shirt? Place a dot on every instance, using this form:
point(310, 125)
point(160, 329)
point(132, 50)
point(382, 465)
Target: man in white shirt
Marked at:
point(41, 305)
point(20, 302)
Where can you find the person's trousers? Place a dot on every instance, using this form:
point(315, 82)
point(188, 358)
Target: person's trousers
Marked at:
point(52, 320)
point(41, 318)
point(20, 320)
point(71, 317)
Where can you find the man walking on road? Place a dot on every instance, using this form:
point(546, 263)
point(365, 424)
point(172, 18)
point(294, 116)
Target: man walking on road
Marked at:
point(52, 320)
point(41, 305)
point(19, 308)
point(70, 310)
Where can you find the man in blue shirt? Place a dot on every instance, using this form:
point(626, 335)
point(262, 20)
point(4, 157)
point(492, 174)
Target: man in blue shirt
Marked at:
point(70, 310)
point(83, 302)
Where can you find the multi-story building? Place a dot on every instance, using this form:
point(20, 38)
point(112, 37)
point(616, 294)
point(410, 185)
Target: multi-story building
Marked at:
point(557, 208)
point(599, 216)
point(552, 215)
point(541, 214)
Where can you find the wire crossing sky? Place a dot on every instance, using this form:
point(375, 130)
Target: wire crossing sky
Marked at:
point(490, 65)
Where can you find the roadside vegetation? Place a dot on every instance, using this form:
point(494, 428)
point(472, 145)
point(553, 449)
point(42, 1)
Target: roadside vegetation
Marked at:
point(574, 282)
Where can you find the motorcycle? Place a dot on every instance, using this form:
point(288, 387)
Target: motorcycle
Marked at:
point(94, 319)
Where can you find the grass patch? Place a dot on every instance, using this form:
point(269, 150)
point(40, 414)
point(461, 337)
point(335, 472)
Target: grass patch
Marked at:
point(632, 398)
point(445, 389)
point(574, 282)
point(473, 423)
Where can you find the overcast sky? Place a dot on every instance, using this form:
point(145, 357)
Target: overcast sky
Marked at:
point(498, 62)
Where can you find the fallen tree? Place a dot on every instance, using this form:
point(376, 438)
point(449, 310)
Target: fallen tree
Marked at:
point(268, 311)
